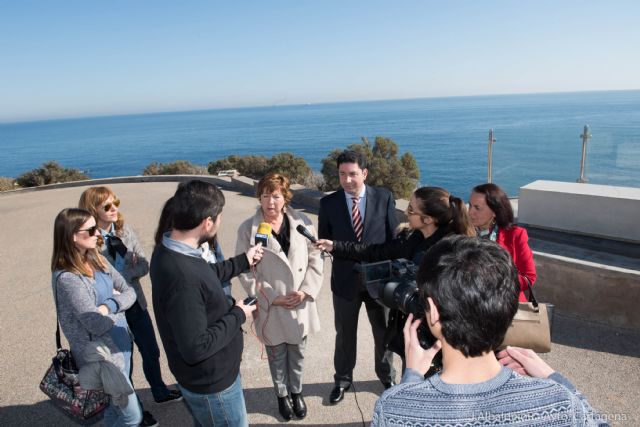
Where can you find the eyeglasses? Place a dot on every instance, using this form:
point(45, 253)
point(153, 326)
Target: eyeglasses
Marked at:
point(410, 211)
point(90, 230)
point(107, 207)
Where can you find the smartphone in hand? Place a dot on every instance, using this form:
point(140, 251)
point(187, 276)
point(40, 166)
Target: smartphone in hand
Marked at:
point(249, 301)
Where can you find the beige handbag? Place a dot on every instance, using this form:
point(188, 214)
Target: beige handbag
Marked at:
point(530, 327)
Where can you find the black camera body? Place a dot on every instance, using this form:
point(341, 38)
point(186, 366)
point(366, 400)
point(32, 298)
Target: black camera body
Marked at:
point(392, 283)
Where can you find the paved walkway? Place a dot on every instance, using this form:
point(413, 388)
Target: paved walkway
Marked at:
point(603, 362)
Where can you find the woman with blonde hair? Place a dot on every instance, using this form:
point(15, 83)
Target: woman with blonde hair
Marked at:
point(91, 297)
point(121, 247)
point(286, 283)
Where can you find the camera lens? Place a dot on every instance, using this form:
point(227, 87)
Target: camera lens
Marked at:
point(399, 295)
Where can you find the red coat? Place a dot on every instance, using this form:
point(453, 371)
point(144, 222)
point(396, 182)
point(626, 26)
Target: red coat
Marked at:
point(516, 241)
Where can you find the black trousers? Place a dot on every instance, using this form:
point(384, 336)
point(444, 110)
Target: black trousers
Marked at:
point(346, 323)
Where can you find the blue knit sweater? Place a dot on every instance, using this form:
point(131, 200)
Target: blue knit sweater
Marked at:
point(508, 399)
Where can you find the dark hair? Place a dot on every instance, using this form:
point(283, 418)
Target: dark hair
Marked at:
point(475, 287)
point(498, 202)
point(65, 255)
point(351, 156)
point(272, 182)
point(165, 222)
point(193, 202)
point(447, 210)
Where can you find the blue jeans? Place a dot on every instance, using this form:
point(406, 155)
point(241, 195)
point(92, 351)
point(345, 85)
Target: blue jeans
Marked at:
point(130, 415)
point(145, 338)
point(226, 408)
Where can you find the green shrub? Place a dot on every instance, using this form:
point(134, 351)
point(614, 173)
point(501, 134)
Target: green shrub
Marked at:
point(49, 173)
point(295, 168)
point(7, 183)
point(255, 167)
point(250, 166)
point(179, 167)
point(399, 175)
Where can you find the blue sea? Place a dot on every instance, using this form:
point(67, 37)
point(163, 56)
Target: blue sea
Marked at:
point(537, 137)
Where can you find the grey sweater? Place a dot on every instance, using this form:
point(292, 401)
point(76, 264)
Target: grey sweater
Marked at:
point(508, 399)
point(78, 312)
point(132, 272)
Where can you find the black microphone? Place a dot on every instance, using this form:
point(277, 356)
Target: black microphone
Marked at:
point(303, 230)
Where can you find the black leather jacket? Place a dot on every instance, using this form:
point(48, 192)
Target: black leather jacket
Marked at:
point(411, 248)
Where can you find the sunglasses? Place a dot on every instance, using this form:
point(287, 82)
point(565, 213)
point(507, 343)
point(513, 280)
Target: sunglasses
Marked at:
point(107, 207)
point(410, 211)
point(90, 230)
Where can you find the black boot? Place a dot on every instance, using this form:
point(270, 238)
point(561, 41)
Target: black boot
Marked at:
point(299, 407)
point(285, 407)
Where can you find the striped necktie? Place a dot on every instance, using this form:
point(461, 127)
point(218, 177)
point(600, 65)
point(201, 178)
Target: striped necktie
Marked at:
point(357, 220)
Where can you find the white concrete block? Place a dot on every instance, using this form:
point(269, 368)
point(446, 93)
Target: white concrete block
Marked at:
point(590, 209)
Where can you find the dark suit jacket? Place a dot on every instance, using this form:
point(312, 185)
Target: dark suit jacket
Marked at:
point(334, 223)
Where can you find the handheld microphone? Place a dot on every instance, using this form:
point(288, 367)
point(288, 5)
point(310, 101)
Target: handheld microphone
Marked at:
point(262, 234)
point(303, 230)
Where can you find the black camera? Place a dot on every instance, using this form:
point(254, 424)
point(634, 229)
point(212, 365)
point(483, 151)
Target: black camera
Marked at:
point(393, 284)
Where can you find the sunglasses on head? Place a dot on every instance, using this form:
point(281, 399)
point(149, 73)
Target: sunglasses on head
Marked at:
point(90, 230)
point(107, 207)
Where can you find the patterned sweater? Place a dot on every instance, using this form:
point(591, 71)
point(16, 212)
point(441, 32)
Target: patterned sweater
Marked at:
point(508, 399)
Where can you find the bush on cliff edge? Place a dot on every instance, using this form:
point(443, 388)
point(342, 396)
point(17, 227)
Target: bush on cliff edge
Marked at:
point(7, 183)
point(255, 167)
point(179, 167)
point(49, 173)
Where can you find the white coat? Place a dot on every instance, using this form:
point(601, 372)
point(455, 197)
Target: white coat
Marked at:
point(277, 274)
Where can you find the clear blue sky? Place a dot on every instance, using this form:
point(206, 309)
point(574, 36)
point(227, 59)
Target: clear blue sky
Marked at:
point(85, 58)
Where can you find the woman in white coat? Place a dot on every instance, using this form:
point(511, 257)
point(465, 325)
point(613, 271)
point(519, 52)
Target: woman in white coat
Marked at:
point(286, 284)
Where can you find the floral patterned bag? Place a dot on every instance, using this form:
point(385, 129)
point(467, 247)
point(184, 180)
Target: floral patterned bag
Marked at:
point(61, 384)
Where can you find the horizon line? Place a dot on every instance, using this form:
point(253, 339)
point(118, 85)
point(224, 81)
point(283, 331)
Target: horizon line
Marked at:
point(277, 105)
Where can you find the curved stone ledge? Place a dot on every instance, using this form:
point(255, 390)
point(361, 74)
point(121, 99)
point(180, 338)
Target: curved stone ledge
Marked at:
point(588, 290)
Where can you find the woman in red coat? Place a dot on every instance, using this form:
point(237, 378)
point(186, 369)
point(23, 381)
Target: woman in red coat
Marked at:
point(491, 213)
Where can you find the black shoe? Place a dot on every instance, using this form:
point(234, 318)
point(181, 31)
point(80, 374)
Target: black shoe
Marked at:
point(337, 394)
point(387, 386)
point(299, 407)
point(285, 406)
point(173, 396)
point(148, 420)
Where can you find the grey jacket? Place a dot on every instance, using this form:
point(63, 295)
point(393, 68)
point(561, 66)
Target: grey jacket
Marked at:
point(132, 273)
point(103, 371)
point(78, 312)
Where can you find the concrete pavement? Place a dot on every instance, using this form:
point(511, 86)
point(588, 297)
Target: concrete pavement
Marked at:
point(603, 362)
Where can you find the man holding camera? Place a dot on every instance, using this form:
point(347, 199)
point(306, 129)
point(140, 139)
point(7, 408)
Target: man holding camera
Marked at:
point(470, 290)
point(357, 213)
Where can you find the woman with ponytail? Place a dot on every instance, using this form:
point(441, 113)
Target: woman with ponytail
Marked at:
point(432, 214)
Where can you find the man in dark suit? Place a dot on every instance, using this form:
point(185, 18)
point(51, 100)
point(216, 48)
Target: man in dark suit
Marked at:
point(357, 212)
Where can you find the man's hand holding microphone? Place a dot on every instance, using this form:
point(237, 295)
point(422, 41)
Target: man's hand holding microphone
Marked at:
point(254, 254)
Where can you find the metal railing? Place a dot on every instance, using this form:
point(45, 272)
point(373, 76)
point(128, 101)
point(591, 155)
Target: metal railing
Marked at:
point(586, 135)
point(585, 138)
